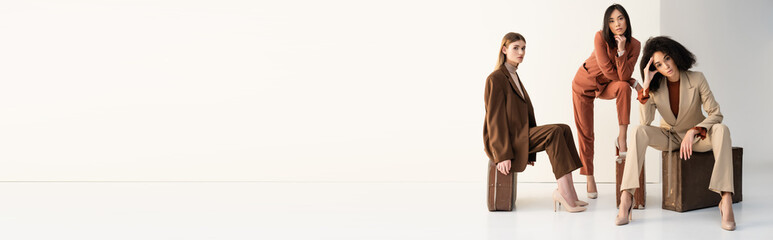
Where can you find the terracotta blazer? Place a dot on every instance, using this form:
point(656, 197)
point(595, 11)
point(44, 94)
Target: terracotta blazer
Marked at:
point(605, 66)
point(694, 92)
point(508, 119)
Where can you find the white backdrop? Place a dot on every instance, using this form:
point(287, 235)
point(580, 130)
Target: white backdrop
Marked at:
point(733, 45)
point(282, 90)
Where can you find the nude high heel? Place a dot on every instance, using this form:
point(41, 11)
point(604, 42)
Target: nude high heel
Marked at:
point(558, 199)
point(620, 156)
point(592, 195)
point(623, 221)
point(729, 226)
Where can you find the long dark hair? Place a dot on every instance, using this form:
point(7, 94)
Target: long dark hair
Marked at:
point(607, 33)
point(683, 58)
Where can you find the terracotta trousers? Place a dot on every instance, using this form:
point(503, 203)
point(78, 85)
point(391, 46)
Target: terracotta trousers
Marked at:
point(557, 141)
point(585, 89)
point(717, 139)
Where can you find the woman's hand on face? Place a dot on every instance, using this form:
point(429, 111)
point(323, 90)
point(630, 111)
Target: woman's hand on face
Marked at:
point(504, 167)
point(685, 151)
point(649, 75)
point(620, 39)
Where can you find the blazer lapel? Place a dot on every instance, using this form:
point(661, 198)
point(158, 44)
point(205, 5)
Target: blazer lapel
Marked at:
point(512, 82)
point(686, 93)
point(524, 96)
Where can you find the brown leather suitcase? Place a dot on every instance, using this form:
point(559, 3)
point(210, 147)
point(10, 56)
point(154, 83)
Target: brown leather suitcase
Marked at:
point(686, 183)
point(640, 195)
point(501, 189)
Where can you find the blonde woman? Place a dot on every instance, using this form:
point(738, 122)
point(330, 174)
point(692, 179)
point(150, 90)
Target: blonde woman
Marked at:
point(510, 133)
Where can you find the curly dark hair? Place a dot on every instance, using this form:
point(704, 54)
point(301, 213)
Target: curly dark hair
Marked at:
point(683, 58)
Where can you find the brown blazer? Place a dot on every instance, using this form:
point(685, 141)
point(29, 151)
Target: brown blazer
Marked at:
point(508, 119)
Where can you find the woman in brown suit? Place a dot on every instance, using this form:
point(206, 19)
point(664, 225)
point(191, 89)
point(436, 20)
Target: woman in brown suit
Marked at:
point(510, 133)
point(678, 94)
point(606, 74)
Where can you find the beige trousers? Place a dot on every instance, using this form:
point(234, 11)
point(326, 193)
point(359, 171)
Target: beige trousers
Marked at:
point(717, 139)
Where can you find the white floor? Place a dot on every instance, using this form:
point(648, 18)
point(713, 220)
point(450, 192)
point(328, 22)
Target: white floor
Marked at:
point(261, 210)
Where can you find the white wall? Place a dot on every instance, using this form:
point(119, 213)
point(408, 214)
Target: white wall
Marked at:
point(733, 44)
point(281, 90)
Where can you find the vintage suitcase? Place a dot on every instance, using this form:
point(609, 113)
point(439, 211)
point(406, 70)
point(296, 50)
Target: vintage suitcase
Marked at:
point(686, 183)
point(501, 189)
point(640, 195)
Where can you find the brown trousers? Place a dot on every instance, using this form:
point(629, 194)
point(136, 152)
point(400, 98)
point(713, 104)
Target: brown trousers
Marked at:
point(557, 141)
point(585, 89)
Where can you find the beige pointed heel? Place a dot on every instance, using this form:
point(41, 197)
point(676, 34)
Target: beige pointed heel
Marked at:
point(619, 156)
point(592, 195)
point(625, 220)
point(728, 226)
point(558, 200)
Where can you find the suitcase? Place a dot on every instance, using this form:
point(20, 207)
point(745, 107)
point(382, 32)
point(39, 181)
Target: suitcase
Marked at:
point(686, 183)
point(640, 195)
point(501, 189)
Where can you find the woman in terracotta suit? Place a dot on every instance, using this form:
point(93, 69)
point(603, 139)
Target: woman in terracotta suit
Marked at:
point(606, 74)
point(678, 94)
point(510, 133)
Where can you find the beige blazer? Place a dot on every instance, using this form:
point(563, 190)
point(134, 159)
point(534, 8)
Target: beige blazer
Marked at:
point(509, 115)
point(694, 92)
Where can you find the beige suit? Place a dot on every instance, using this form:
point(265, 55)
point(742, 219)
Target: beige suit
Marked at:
point(694, 92)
